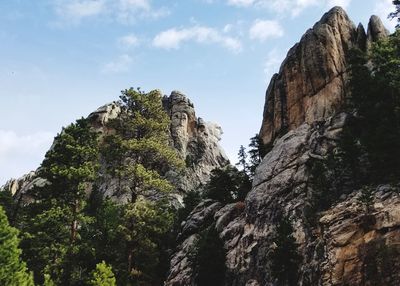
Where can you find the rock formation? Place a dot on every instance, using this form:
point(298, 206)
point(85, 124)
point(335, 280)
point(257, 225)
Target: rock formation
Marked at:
point(312, 80)
point(349, 244)
point(196, 141)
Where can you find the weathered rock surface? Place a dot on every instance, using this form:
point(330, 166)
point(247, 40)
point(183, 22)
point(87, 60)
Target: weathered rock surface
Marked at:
point(341, 249)
point(312, 81)
point(348, 244)
point(196, 141)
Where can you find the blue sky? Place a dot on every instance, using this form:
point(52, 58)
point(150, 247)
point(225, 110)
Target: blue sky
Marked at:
point(61, 59)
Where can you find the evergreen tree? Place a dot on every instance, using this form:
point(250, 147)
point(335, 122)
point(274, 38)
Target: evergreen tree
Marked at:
point(227, 185)
point(103, 276)
point(13, 271)
point(52, 239)
point(396, 13)
point(285, 258)
point(242, 159)
point(255, 154)
point(139, 151)
point(140, 154)
point(144, 228)
point(375, 83)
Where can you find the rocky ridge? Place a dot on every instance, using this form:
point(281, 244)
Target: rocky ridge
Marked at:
point(312, 80)
point(196, 141)
point(302, 123)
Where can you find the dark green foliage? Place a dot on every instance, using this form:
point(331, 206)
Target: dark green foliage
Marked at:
point(103, 236)
point(144, 228)
point(255, 154)
point(396, 13)
point(8, 204)
point(376, 97)
point(13, 271)
point(242, 156)
point(52, 239)
point(190, 201)
point(285, 259)
point(327, 182)
point(227, 185)
point(139, 151)
point(366, 199)
point(210, 259)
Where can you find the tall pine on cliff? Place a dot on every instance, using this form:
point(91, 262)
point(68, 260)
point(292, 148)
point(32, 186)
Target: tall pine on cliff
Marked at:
point(375, 84)
point(52, 231)
point(139, 154)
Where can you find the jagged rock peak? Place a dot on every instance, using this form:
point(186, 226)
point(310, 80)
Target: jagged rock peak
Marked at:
point(376, 29)
point(312, 80)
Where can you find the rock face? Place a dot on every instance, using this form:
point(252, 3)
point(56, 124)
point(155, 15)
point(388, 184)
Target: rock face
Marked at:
point(312, 81)
point(349, 244)
point(196, 141)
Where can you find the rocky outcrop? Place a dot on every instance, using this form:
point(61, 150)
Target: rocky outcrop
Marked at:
point(341, 249)
point(312, 81)
point(348, 243)
point(195, 140)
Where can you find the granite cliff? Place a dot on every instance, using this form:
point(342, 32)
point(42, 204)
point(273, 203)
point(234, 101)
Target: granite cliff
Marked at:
point(302, 123)
point(196, 141)
point(312, 80)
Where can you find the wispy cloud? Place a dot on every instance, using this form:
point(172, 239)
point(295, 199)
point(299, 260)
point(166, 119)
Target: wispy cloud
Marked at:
point(273, 62)
point(128, 41)
point(288, 7)
point(382, 9)
point(73, 12)
point(173, 38)
point(76, 10)
point(263, 29)
point(20, 154)
point(119, 65)
point(241, 3)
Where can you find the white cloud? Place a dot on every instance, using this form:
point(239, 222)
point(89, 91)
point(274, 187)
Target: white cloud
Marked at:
point(382, 9)
point(341, 3)
point(124, 11)
point(273, 62)
point(241, 3)
point(128, 41)
point(291, 7)
point(76, 10)
point(263, 29)
point(121, 64)
point(20, 154)
point(173, 38)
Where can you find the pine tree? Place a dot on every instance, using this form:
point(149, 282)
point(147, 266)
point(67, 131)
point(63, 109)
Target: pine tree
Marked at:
point(255, 153)
point(242, 159)
point(145, 225)
point(52, 239)
point(141, 155)
point(13, 271)
point(375, 89)
point(396, 13)
point(103, 276)
point(139, 151)
point(227, 185)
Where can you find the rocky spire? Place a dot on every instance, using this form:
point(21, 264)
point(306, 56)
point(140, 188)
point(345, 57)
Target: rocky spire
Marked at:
point(312, 80)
